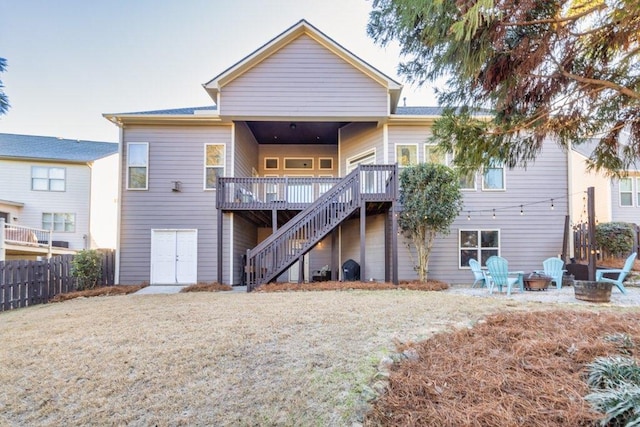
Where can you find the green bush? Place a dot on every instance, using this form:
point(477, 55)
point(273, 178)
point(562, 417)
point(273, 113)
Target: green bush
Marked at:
point(615, 238)
point(86, 267)
point(615, 385)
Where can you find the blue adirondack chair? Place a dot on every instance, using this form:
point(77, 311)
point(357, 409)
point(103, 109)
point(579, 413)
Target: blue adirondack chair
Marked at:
point(622, 273)
point(479, 275)
point(501, 276)
point(553, 267)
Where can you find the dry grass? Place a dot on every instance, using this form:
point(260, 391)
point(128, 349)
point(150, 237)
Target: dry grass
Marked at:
point(207, 287)
point(298, 358)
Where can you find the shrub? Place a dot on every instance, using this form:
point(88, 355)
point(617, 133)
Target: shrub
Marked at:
point(86, 267)
point(615, 238)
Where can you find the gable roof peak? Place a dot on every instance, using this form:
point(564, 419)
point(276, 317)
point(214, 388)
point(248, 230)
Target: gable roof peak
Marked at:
point(301, 27)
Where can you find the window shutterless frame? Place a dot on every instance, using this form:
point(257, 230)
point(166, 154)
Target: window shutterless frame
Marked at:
point(625, 190)
point(214, 161)
point(478, 244)
point(137, 166)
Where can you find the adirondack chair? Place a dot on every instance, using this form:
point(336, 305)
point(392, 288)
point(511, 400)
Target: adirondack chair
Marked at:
point(622, 273)
point(478, 274)
point(553, 267)
point(501, 276)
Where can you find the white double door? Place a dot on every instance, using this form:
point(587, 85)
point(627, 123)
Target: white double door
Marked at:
point(174, 257)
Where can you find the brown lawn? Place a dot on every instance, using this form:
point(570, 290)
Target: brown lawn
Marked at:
point(302, 358)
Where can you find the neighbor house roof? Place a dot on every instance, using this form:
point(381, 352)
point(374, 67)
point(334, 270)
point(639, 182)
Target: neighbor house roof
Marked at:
point(51, 148)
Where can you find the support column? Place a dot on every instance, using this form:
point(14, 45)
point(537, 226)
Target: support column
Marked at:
point(220, 240)
point(335, 255)
point(394, 241)
point(3, 254)
point(363, 232)
point(387, 246)
point(274, 220)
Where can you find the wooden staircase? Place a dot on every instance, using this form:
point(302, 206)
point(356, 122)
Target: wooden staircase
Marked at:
point(274, 255)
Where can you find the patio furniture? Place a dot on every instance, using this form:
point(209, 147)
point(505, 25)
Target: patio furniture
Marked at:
point(479, 274)
point(622, 273)
point(554, 268)
point(501, 276)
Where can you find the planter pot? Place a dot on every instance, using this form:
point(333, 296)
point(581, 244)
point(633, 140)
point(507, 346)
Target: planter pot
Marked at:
point(592, 291)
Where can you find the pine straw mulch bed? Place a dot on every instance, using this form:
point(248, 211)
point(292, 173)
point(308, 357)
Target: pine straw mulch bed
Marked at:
point(99, 292)
point(207, 287)
point(509, 369)
point(431, 285)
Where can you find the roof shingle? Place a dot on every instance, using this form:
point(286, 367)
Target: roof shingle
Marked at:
point(51, 148)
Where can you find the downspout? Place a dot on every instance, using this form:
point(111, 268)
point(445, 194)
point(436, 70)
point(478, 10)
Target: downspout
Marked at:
point(119, 203)
point(87, 242)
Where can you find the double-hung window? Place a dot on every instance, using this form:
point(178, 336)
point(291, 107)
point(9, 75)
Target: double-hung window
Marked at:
point(213, 164)
point(626, 192)
point(478, 245)
point(493, 177)
point(61, 222)
point(406, 155)
point(137, 166)
point(48, 178)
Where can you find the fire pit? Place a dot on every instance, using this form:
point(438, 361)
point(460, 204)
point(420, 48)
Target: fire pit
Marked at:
point(536, 282)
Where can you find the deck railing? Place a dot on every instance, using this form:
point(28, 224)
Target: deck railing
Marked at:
point(280, 250)
point(271, 193)
point(25, 235)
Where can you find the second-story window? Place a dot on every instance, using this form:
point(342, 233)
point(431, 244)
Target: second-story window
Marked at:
point(493, 177)
point(62, 222)
point(213, 164)
point(138, 166)
point(626, 192)
point(406, 155)
point(47, 178)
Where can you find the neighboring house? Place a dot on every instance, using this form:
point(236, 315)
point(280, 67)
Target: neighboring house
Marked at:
point(57, 195)
point(254, 177)
point(616, 199)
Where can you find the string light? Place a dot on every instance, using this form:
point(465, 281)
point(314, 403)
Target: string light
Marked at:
point(552, 207)
point(469, 216)
point(521, 209)
point(493, 211)
point(494, 214)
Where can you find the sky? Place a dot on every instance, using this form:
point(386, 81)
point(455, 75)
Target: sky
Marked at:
point(70, 61)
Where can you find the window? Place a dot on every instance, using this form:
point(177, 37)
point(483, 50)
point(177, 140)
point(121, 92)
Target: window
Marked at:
point(137, 165)
point(626, 192)
point(479, 245)
point(638, 191)
point(366, 158)
point(47, 179)
point(433, 155)
point(213, 165)
point(493, 177)
point(298, 163)
point(326, 163)
point(406, 155)
point(468, 181)
point(270, 163)
point(61, 222)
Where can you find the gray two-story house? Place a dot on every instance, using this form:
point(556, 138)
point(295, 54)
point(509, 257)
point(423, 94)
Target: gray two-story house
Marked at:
point(295, 168)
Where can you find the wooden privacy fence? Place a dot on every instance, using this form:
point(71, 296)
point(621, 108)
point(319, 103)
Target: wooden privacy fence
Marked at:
point(581, 242)
point(24, 283)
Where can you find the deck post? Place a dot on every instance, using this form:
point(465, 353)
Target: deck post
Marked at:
point(591, 228)
point(274, 220)
point(363, 230)
point(220, 218)
point(335, 261)
point(2, 238)
point(394, 242)
point(387, 245)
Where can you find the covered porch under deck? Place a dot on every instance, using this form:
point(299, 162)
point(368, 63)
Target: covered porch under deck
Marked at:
point(279, 202)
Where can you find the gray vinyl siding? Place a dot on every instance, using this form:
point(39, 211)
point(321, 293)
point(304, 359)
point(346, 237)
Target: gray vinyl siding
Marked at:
point(245, 237)
point(176, 153)
point(358, 138)
point(374, 246)
point(624, 213)
point(525, 240)
point(75, 199)
point(304, 79)
point(246, 151)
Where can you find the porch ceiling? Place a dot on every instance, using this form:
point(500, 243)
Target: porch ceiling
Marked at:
point(295, 132)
